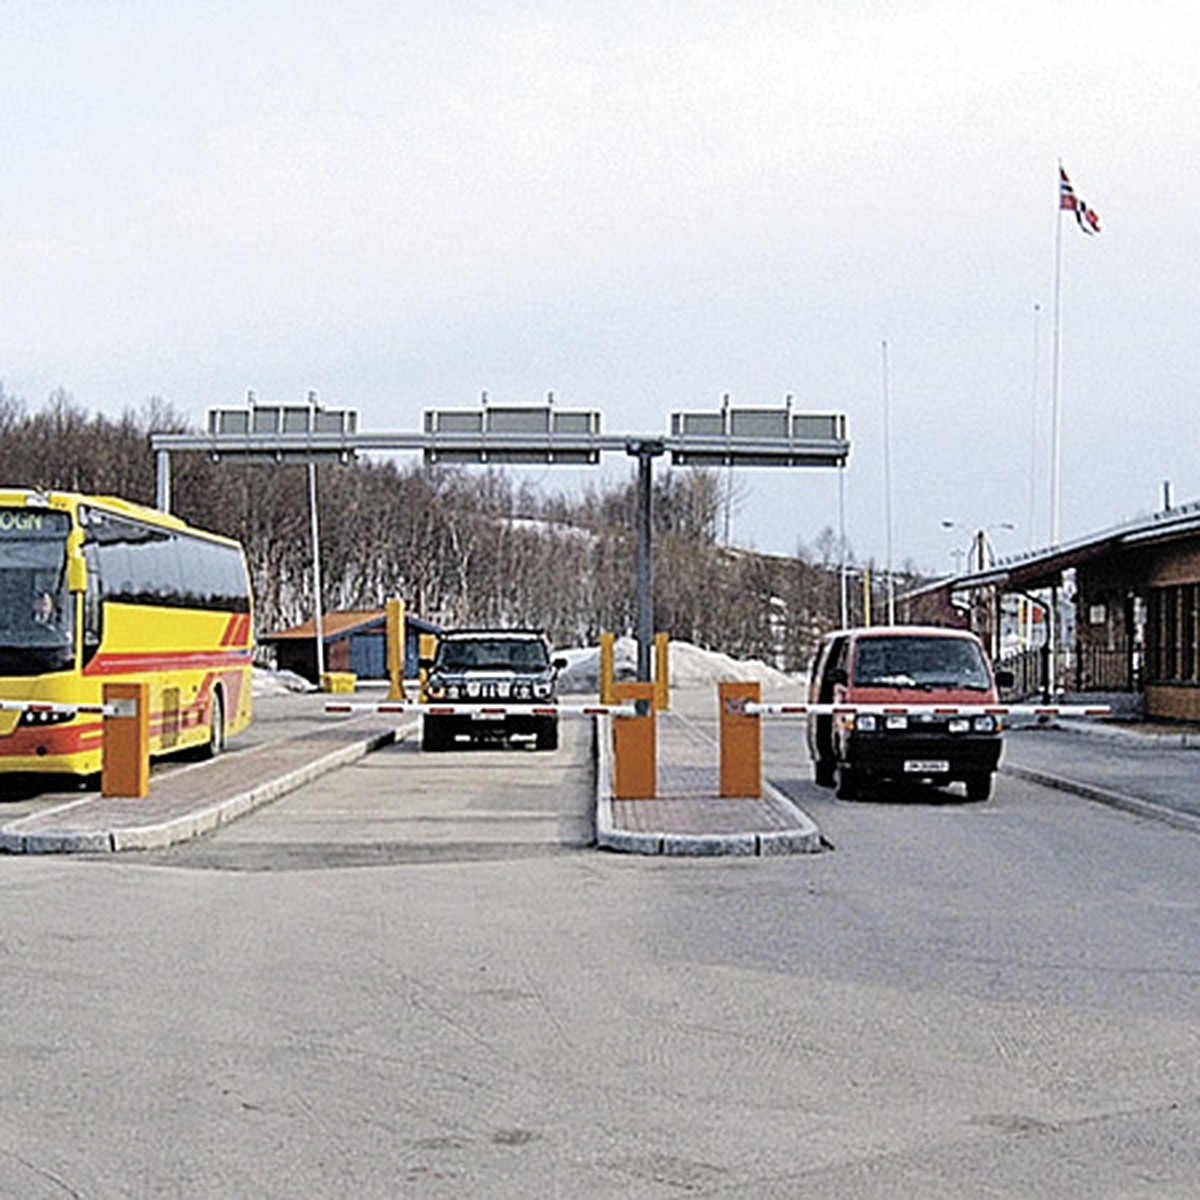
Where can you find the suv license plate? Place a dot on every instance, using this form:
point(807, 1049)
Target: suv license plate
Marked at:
point(926, 766)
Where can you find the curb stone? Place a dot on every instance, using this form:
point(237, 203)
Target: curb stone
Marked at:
point(188, 825)
point(1130, 804)
point(804, 839)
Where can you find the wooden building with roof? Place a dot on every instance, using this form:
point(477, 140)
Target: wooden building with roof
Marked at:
point(354, 641)
point(1122, 607)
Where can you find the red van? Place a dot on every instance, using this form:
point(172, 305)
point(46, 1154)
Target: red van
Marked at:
point(904, 665)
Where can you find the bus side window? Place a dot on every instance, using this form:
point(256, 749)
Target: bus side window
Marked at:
point(91, 603)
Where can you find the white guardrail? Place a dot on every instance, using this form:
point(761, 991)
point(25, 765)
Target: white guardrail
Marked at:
point(486, 710)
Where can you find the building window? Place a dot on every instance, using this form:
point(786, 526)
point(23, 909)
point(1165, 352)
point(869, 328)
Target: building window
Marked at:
point(1172, 639)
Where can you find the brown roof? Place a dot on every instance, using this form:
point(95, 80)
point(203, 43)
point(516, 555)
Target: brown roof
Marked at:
point(332, 625)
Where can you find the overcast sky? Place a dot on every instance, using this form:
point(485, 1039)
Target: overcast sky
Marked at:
point(640, 207)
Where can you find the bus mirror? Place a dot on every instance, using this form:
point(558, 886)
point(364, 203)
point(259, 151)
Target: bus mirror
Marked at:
point(76, 573)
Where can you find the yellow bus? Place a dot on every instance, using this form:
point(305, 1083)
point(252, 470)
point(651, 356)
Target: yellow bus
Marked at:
point(93, 590)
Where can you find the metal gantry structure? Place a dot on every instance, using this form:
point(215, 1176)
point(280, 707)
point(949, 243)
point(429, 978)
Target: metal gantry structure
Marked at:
point(778, 436)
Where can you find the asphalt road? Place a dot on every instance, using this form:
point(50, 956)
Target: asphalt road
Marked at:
point(414, 977)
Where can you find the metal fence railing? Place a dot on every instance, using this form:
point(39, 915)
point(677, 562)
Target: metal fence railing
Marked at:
point(1076, 669)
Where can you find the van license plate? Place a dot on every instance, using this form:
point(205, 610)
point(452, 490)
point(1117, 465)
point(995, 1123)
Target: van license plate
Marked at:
point(926, 766)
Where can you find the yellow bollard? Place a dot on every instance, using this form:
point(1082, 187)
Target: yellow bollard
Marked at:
point(608, 667)
point(427, 649)
point(662, 671)
point(741, 741)
point(635, 746)
point(395, 649)
point(125, 767)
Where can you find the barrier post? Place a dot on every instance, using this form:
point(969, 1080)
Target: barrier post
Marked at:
point(608, 667)
point(395, 649)
point(662, 671)
point(741, 741)
point(635, 746)
point(427, 643)
point(125, 767)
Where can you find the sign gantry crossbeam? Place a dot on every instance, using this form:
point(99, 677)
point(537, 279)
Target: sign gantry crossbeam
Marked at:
point(525, 434)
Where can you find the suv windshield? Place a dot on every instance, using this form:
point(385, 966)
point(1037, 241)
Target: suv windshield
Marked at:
point(36, 612)
point(507, 654)
point(920, 662)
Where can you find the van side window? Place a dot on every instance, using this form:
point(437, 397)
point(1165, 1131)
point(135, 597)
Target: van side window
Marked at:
point(837, 657)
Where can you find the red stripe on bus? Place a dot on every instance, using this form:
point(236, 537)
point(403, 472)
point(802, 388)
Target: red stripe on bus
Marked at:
point(171, 660)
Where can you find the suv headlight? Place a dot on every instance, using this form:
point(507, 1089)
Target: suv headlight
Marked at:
point(543, 689)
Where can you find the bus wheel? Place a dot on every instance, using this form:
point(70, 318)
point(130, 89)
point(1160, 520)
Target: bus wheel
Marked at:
point(216, 726)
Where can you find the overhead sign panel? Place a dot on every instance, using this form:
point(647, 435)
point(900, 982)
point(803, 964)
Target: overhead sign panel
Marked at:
point(758, 437)
point(282, 433)
point(530, 434)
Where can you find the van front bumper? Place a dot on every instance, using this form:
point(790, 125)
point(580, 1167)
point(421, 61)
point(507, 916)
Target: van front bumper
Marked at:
point(915, 756)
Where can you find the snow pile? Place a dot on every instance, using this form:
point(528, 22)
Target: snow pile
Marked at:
point(688, 665)
point(279, 683)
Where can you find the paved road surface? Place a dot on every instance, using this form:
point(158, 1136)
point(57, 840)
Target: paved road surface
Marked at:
point(415, 978)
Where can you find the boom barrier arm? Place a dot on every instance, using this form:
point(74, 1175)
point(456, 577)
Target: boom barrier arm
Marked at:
point(946, 710)
point(488, 710)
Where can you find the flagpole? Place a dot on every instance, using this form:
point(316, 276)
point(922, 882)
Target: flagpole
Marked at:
point(887, 489)
point(1056, 385)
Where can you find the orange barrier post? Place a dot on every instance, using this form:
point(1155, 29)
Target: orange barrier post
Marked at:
point(662, 671)
point(395, 649)
point(635, 746)
point(125, 768)
point(741, 741)
point(608, 667)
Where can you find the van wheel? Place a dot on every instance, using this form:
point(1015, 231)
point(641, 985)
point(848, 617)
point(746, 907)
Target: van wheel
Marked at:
point(847, 783)
point(824, 772)
point(979, 787)
point(547, 734)
point(434, 737)
point(216, 726)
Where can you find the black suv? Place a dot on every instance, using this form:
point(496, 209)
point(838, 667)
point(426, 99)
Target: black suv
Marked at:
point(504, 668)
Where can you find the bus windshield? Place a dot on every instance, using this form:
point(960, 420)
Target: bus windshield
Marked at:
point(36, 613)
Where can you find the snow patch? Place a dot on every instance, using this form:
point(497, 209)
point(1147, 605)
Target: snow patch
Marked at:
point(278, 683)
point(688, 665)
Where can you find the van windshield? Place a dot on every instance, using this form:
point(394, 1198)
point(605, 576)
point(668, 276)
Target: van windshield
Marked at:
point(920, 662)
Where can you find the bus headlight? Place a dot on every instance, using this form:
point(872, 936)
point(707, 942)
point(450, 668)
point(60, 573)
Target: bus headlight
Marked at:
point(42, 717)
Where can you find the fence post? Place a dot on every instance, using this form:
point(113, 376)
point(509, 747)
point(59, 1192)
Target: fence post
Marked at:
point(635, 746)
point(125, 769)
point(741, 740)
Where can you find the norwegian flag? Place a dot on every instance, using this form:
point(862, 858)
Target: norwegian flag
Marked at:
point(1086, 217)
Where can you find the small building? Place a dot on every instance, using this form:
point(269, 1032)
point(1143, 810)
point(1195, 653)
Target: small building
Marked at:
point(1122, 609)
point(354, 641)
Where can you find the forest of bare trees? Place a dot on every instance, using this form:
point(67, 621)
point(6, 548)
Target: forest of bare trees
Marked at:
point(461, 547)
